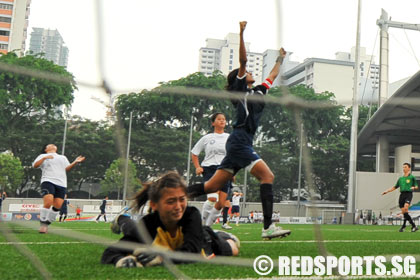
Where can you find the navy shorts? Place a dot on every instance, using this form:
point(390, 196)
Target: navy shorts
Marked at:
point(208, 172)
point(102, 211)
point(50, 188)
point(235, 209)
point(405, 197)
point(239, 151)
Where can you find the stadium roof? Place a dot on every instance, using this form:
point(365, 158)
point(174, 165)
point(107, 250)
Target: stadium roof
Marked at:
point(398, 119)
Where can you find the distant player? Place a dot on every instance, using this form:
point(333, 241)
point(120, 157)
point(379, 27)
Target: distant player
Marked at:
point(102, 208)
point(53, 182)
point(78, 213)
point(2, 197)
point(407, 185)
point(236, 198)
point(63, 210)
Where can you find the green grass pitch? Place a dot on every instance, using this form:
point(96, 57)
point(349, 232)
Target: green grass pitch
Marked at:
point(81, 260)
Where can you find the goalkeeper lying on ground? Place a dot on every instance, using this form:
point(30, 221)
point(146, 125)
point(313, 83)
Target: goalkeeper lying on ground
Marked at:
point(172, 225)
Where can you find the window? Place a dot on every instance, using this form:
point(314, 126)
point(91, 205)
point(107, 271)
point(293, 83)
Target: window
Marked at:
point(231, 56)
point(4, 33)
point(231, 51)
point(204, 51)
point(3, 46)
point(6, 6)
point(5, 19)
point(230, 67)
point(230, 61)
point(210, 51)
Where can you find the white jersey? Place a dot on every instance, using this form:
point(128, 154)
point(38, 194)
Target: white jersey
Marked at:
point(213, 145)
point(235, 200)
point(54, 170)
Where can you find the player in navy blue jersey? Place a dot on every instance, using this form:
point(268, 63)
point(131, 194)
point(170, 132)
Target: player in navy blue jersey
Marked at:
point(239, 146)
point(102, 208)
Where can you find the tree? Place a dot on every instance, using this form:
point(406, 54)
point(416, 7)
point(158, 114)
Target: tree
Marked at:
point(114, 178)
point(23, 96)
point(11, 173)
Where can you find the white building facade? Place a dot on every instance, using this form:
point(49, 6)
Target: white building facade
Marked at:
point(14, 16)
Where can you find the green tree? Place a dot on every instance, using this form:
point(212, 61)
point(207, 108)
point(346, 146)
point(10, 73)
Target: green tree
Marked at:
point(114, 178)
point(11, 173)
point(24, 96)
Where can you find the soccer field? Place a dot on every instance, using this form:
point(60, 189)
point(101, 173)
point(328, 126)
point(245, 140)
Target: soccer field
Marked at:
point(68, 258)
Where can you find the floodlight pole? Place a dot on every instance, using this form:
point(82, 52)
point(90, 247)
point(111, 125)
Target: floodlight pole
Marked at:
point(65, 131)
point(354, 121)
point(189, 150)
point(126, 159)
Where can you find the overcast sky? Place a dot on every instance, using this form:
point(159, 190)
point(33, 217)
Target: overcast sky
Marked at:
point(145, 42)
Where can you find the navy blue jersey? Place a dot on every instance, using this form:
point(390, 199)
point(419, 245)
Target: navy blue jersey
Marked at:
point(102, 207)
point(248, 113)
point(64, 206)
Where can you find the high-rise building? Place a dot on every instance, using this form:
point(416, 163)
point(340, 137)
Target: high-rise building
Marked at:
point(336, 76)
point(51, 44)
point(14, 16)
point(223, 55)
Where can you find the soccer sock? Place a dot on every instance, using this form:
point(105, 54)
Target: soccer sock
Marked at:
point(266, 193)
point(43, 215)
point(105, 217)
point(237, 219)
point(207, 206)
point(52, 214)
point(98, 217)
point(408, 218)
point(59, 218)
point(195, 190)
point(65, 217)
point(225, 214)
point(212, 216)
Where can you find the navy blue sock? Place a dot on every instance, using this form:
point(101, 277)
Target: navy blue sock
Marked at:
point(195, 190)
point(266, 192)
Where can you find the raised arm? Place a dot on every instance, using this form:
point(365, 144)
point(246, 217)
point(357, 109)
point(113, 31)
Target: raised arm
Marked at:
point(242, 50)
point(79, 159)
point(276, 69)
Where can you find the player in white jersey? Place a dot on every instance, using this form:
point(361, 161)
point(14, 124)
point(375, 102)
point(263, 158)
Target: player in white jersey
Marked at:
point(213, 145)
point(236, 199)
point(53, 182)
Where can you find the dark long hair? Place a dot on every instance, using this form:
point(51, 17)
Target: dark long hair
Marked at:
point(153, 191)
point(231, 78)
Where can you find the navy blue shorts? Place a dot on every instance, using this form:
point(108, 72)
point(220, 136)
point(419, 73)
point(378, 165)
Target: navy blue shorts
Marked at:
point(239, 151)
point(208, 172)
point(235, 209)
point(50, 188)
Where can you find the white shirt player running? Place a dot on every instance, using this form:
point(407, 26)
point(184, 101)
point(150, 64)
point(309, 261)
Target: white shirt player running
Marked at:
point(213, 145)
point(236, 199)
